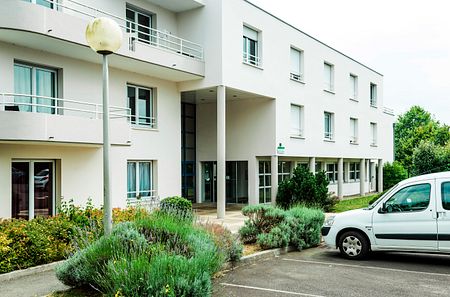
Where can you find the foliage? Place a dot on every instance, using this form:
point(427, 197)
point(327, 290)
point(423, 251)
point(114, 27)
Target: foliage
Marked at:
point(228, 243)
point(393, 173)
point(429, 157)
point(156, 255)
point(176, 202)
point(305, 188)
point(354, 203)
point(411, 128)
point(274, 227)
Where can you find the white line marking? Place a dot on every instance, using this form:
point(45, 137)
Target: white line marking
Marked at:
point(270, 290)
point(368, 267)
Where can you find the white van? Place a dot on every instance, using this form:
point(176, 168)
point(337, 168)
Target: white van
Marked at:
point(414, 215)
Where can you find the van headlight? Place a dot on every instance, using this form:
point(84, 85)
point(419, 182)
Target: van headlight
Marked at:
point(329, 221)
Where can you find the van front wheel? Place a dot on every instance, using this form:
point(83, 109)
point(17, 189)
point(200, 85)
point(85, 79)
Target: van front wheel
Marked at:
point(353, 245)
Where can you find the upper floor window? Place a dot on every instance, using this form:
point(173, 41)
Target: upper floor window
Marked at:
point(38, 82)
point(328, 71)
point(296, 64)
point(142, 106)
point(353, 130)
point(284, 170)
point(140, 25)
point(353, 87)
point(373, 133)
point(328, 125)
point(251, 47)
point(373, 94)
point(139, 179)
point(296, 120)
point(46, 3)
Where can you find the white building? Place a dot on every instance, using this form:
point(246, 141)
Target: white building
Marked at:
point(254, 95)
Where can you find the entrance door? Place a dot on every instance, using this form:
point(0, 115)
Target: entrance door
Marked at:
point(409, 219)
point(32, 186)
point(209, 176)
point(237, 182)
point(443, 216)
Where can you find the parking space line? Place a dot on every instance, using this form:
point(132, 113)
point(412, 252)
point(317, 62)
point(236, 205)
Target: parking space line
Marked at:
point(367, 267)
point(270, 290)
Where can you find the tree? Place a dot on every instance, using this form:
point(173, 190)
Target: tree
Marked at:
point(429, 157)
point(393, 173)
point(411, 128)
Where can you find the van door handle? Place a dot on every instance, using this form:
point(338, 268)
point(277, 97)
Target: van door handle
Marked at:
point(440, 214)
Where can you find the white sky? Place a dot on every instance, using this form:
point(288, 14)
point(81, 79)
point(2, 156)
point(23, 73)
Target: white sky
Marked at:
point(408, 41)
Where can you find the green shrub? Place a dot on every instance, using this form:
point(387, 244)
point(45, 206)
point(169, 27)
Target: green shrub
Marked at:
point(176, 202)
point(228, 243)
point(393, 173)
point(305, 224)
point(305, 188)
point(278, 236)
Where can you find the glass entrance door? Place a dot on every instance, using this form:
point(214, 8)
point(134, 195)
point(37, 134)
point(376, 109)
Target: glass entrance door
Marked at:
point(209, 175)
point(32, 189)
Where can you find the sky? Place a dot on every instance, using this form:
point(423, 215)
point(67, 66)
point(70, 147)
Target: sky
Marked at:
point(408, 41)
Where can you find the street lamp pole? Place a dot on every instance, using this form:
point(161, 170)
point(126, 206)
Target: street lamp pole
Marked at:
point(104, 36)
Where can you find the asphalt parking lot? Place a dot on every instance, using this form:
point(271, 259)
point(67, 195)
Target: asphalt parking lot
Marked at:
point(322, 272)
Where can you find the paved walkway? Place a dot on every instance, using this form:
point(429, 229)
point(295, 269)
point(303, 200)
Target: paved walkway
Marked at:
point(39, 284)
point(233, 217)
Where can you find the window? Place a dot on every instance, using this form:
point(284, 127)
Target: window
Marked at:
point(332, 172)
point(264, 182)
point(328, 125)
point(46, 3)
point(354, 171)
point(284, 170)
point(140, 102)
point(140, 25)
point(328, 71)
point(353, 130)
point(139, 179)
point(445, 193)
point(318, 167)
point(412, 198)
point(353, 87)
point(40, 83)
point(373, 95)
point(296, 64)
point(373, 134)
point(296, 120)
point(250, 47)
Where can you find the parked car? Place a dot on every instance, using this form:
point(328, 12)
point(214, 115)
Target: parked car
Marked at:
point(414, 215)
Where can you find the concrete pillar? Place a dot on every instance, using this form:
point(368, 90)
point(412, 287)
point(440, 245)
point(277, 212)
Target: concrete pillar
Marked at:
point(362, 177)
point(323, 166)
point(221, 135)
point(347, 172)
point(274, 178)
point(312, 165)
point(253, 181)
point(380, 175)
point(340, 188)
point(199, 181)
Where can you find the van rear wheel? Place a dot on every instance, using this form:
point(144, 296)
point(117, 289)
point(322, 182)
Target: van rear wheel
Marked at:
point(353, 245)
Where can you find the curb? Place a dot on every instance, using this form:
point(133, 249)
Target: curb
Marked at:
point(263, 255)
point(29, 271)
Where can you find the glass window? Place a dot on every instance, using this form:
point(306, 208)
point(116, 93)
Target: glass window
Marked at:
point(354, 171)
point(328, 125)
point(328, 77)
point(296, 64)
point(250, 46)
point(296, 120)
point(143, 22)
point(445, 193)
point(284, 170)
point(353, 130)
point(139, 179)
point(373, 133)
point(353, 86)
point(264, 182)
point(332, 173)
point(141, 105)
point(373, 94)
point(411, 198)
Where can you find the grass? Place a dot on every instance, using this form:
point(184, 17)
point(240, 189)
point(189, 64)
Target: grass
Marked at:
point(353, 203)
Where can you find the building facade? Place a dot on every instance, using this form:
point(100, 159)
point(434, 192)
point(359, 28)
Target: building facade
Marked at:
point(214, 100)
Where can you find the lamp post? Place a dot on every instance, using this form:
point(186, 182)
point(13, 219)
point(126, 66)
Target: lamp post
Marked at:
point(104, 36)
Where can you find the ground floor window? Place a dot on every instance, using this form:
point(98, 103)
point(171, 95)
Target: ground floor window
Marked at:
point(264, 182)
point(32, 184)
point(332, 172)
point(284, 170)
point(139, 179)
point(354, 171)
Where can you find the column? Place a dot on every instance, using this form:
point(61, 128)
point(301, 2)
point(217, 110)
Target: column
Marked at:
point(199, 181)
point(380, 175)
point(340, 189)
point(312, 165)
point(274, 178)
point(323, 166)
point(362, 177)
point(253, 181)
point(347, 172)
point(221, 135)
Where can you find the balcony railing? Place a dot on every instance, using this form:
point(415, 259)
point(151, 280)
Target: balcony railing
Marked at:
point(149, 202)
point(58, 106)
point(388, 111)
point(251, 59)
point(144, 35)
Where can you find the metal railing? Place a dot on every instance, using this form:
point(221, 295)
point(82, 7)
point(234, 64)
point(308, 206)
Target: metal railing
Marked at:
point(135, 33)
point(149, 202)
point(327, 86)
point(328, 135)
point(388, 111)
point(353, 139)
point(373, 102)
point(58, 106)
point(297, 76)
point(251, 59)
point(296, 132)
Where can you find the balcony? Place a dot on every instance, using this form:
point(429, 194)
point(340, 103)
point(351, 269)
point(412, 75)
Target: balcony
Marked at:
point(59, 28)
point(26, 117)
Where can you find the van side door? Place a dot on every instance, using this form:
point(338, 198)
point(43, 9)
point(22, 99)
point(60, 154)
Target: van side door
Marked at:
point(406, 219)
point(443, 213)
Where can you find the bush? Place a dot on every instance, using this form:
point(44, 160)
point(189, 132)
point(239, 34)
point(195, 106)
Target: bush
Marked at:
point(176, 202)
point(393, 173)
point(228, 243)
point(156, 255)
point(274, 227)
point(305, 188)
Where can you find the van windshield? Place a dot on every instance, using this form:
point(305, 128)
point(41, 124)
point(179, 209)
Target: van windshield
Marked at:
point(381, 197)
